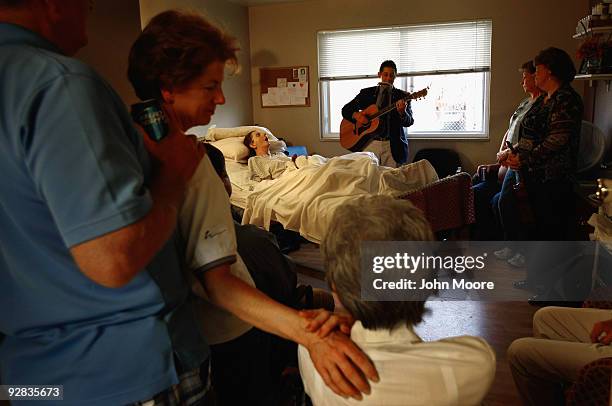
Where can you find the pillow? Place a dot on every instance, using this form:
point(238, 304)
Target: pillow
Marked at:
point(216, 133)
point(277, 146)
point(233, 149)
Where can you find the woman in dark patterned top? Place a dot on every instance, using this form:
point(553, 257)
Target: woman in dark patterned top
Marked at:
point(547, 150)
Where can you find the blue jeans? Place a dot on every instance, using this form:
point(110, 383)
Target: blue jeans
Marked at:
point(486, 227)
point(506, 209)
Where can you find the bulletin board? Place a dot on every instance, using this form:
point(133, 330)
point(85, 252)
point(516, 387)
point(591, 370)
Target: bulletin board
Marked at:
point(284, 87)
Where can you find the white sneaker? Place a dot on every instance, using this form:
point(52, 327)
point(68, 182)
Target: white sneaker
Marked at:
point(517, 261)
point(503, 254)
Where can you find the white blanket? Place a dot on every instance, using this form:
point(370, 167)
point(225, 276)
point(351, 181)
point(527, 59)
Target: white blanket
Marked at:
point(304, 200)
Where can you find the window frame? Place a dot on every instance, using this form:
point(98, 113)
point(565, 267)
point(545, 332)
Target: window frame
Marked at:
point(328, 134)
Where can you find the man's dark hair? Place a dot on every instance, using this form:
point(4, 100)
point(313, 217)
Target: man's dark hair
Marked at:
point(559, 62)
point(528, 67)
point(388, 64)
point(248, 139)
point(173, 50)
point(216, 159)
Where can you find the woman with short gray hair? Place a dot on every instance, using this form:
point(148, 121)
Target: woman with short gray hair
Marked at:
point(412, 372)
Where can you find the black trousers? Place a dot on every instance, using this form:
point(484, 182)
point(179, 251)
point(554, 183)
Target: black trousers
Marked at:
point(554, 208)
point(553, 204)
point(247, 370)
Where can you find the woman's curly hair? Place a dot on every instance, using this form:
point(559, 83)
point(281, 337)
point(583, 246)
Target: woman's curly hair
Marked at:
point(173, 50)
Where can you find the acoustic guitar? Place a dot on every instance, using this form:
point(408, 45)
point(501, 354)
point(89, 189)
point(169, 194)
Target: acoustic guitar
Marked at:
point(355, 136)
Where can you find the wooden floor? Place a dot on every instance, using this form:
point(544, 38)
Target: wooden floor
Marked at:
point(497, 322)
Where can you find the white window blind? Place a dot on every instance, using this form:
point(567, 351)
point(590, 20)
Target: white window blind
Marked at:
point(417, 50)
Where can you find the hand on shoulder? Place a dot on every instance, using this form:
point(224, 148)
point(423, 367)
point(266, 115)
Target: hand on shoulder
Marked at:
point(344, 368)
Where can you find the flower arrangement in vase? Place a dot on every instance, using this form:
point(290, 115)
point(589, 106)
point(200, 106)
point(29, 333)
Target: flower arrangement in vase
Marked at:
point(596, 55)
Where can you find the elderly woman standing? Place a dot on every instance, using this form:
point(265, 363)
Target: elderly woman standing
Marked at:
point(547, 150)
point(180, 59)
point(496, 211)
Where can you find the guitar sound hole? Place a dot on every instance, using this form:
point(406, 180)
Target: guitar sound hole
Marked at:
point(364, 128)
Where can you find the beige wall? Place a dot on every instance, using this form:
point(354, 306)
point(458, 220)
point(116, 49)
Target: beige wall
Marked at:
point(112, 28)
point(234, 19)
point(285, 35)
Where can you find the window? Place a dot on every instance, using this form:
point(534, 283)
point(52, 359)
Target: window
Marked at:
point(453, 59)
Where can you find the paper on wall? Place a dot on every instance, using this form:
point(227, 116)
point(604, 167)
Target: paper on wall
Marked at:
point(265, 99)
point(268, 100)
point(298, 89)
point(283, 96)
point(302, 90)
point(298, 101)
point(287, 93)
point(303, 75)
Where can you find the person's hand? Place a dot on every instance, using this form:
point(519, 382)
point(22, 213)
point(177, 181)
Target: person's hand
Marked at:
point(502, 156)
point(323, 322)
point(602, 332)
point(513, 162)
point(360, 118)
point(345, 369)
point(400, 105)
point(178, 154)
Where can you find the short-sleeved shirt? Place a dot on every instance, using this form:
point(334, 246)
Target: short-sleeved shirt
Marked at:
point(74, 169)
point(206, 225)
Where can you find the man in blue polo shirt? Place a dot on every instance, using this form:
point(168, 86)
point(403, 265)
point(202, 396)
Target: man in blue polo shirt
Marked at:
point(91, 295)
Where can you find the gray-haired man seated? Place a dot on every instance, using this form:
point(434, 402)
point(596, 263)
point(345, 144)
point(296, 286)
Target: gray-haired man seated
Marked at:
point(451, 371)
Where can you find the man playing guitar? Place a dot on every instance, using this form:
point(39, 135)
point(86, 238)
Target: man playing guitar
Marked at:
point(390, 143)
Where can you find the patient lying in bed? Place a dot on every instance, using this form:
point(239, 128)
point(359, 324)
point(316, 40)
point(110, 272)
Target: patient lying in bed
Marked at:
point(302, 194)
point(265, 165)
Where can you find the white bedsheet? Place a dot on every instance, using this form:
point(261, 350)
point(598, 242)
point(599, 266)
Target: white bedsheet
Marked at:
point(304, 200)
point(242, 185)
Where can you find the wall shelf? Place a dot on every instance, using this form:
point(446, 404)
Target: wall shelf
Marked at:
point(607, 77)
point(594, 30)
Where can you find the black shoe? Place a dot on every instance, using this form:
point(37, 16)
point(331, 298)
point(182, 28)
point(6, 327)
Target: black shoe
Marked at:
point(523, 284)
point(540, 301)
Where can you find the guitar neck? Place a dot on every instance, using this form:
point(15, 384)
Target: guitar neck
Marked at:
point(390, 108)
